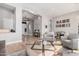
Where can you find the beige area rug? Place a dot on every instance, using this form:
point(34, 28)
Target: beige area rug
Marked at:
point(38, 45)
point(56, 52)
point(48, 46)
point(49, 52)
point(30, 41)
point(52, 52)
point(59, 49)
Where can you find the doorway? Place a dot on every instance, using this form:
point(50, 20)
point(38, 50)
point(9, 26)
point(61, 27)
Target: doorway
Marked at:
point(27, 27)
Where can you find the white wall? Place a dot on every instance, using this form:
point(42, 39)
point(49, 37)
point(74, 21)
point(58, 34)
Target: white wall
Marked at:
point(45, 21)
point(17, 36)
point(7, 17)
point(1, 23)
point(38, 23)
point(74, 22)
point(8, 24)
point(27, 14)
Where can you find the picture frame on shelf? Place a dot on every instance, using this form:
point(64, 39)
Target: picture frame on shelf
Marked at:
point(63, 21)
point(63, 25)
point(60, 21)
point(57, 22)
point(68, 25)
point(60, 25)
point(67, 20)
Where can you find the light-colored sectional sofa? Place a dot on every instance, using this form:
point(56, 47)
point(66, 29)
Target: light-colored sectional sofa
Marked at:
point(71, 41)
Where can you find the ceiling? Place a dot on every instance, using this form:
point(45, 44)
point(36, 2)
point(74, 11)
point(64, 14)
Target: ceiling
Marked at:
point(51, 9)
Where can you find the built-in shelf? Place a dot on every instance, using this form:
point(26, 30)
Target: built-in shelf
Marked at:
point(63, 23)
point(4, 30)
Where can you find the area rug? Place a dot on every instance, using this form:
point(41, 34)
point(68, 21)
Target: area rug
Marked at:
point(32, 52)
point(49, 49)
point(56, 52)
point(67, 52)
point(47, 46)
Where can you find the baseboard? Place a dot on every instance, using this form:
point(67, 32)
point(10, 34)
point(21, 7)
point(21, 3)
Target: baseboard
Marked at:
point(13, 42)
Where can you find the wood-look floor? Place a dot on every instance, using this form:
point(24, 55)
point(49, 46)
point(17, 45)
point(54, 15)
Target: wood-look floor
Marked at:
point(26, 44)
point(11, 48)
point(30, 41)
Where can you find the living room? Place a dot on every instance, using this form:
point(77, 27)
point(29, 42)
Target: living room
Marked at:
point(30, 26)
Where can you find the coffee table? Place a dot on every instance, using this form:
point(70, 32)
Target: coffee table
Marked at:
point(43, 45)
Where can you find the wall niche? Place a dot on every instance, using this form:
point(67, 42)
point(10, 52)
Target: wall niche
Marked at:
point(7, 18)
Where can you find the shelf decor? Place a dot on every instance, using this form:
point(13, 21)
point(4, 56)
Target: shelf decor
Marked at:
point(63, 23)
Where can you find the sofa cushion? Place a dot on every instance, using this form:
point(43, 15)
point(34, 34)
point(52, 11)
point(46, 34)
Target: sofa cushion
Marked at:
point(67, 41)
point(68, 38)
point(73, 36)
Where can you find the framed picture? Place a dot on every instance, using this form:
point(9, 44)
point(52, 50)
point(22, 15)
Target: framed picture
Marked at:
point(67, 20)
point(57, 22)
point(56, 25)
point(45, 26)
point(63, 25)
point(59, 25)
point(63, 21)
point(68, 25)
point(60, 21)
